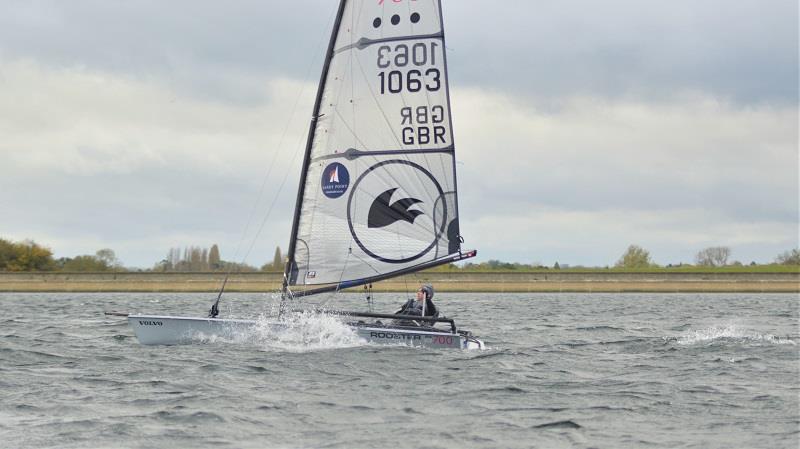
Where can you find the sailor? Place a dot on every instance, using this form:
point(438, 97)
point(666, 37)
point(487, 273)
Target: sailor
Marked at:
point(423, 302)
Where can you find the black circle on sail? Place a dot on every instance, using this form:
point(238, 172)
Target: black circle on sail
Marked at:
point(388, 193)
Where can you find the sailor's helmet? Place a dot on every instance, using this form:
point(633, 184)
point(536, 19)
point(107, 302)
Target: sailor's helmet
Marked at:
point(428, 290)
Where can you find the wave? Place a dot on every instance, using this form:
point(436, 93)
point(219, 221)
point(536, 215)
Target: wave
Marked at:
point(298, 332)
point(599, 328)
point(730, 333)
point(567, 424)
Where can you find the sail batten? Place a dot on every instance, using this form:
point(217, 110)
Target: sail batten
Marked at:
point(352, 153)
point(364, 42)
point(378, 194)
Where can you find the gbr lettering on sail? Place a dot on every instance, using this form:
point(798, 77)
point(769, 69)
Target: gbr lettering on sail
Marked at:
point(413, 68)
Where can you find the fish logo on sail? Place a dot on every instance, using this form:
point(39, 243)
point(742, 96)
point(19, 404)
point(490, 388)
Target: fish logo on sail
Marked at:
point(382, 213)
point(396, 212)
point(335, 180)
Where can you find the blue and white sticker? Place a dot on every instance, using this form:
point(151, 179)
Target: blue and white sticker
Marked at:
point(335, 180)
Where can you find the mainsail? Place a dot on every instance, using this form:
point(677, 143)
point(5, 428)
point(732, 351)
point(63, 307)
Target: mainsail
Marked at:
point(377, 194)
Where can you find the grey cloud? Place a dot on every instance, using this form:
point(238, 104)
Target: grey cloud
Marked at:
point(736, 201)
point(745, 50)
point(197, 47)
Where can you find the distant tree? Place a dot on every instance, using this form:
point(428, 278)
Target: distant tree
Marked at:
point(29, 256)
point(495, 264)
point(277, 263)
point(634, 257)
point(791, 257)
point(445, 267)
point(8, 253)
point(103, 260)
point(277, 259)
point(174, 258)
point(160, 266)
point(556, 266)
point(191, 258)
point(715, 256)
point(213, 258)
point(186, 264)
point(195, 259)
point(84, 263)
point(237, 267)
point(108, 257)
point(36, 257)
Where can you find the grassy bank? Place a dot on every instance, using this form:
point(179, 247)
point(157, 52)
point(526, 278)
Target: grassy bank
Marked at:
point(445, 281)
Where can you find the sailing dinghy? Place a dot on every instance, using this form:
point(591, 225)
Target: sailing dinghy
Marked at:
point(377, 196)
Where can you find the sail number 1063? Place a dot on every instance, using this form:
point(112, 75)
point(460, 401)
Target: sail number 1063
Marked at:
point(400, 56)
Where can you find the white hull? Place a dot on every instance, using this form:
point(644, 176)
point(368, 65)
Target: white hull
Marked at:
point(172, 330)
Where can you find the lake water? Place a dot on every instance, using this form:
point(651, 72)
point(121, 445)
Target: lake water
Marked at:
point(562, 370)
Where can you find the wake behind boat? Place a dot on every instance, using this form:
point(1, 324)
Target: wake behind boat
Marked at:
point(377, 196)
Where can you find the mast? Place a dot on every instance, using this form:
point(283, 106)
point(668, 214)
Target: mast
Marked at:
point(449, 116)
point(309, 143)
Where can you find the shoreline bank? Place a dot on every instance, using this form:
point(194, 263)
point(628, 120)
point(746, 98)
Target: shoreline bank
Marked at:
point(481, 282)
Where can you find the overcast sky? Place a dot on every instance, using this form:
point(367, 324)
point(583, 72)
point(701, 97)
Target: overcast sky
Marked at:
point(581, 127)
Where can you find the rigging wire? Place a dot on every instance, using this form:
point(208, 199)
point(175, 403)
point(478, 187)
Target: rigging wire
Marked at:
point(215, 307)
point(351, 129)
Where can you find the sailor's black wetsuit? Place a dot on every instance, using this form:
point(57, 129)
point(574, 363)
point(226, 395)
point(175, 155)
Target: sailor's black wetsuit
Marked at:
point(413, 307)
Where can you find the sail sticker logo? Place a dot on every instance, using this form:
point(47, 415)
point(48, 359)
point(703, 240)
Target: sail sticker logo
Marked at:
point(396, 212)
point(335, 180)
point(382, 213)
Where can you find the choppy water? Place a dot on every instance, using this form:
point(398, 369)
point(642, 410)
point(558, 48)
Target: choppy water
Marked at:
point(563, 370)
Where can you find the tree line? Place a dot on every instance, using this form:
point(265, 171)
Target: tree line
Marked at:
point(28, 255)
point(634, 258)
point(196, 258)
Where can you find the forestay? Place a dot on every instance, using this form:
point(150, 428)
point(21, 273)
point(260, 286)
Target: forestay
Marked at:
point(379, 193)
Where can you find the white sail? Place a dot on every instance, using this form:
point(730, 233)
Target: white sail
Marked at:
point(379, 195)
